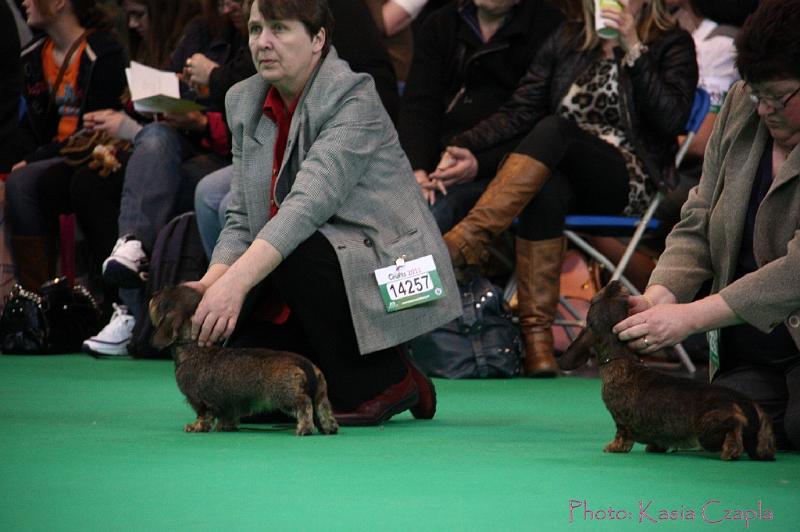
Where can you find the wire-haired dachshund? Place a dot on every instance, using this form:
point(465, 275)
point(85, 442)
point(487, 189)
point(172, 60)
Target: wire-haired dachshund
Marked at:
point(226, 384)
point(659, 410)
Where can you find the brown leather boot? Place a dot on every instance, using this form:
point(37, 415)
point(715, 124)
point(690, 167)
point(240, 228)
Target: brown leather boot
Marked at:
point(34, 257)
point(519, 179)
point(538, 274)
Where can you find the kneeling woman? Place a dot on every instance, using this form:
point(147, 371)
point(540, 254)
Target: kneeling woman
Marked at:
point(600, 118)
point(322, 197)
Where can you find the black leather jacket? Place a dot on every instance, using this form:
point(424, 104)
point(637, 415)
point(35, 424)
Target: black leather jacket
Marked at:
point(457, 80)
point(657, 95)
point(100, 85)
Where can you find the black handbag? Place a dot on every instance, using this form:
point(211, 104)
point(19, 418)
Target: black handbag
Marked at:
point(483, 343)
point(23, 327)
point(56, 321)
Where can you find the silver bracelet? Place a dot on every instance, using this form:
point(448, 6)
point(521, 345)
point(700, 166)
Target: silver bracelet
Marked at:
point(634, 53)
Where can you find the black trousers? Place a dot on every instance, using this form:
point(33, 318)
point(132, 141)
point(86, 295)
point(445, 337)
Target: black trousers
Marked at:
point(589, 176)
point(321, 327)
point(776, 390)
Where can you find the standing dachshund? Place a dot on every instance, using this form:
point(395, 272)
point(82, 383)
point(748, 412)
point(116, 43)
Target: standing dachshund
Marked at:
point(227, 384)
point(660, 410)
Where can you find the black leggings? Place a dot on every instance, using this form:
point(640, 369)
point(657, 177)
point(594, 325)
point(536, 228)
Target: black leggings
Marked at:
point(589, 176)
point(321, 327)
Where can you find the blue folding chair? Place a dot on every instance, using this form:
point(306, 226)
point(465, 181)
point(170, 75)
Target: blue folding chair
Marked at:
point(623, 225)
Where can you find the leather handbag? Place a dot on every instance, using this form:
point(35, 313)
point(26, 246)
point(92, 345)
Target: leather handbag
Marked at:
point(56, 321)
point(483, 343)
point(23, 327)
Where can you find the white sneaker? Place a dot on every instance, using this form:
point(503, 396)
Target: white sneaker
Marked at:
point(113, 340)
point(126, 267)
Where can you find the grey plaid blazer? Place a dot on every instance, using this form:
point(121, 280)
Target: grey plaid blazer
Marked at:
point(344, 174)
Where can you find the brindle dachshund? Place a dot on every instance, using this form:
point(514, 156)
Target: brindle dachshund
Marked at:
point(227, 384)
point(659, 410)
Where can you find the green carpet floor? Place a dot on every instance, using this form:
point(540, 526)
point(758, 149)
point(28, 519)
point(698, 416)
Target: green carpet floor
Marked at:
point(91, 444)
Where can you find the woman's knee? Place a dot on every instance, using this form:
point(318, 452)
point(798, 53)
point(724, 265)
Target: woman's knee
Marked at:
point(19, 186)
point(552, 125)
point(155, 138)
point(547, 141)
point(211, 190)
point(22, 198)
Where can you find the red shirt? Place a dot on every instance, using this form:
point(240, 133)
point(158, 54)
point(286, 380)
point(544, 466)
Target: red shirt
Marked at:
point(275, 110)
point(273, 308)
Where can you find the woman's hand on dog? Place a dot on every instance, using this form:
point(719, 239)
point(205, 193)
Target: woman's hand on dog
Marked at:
point(656, 327)
point(656, 321)
point(225, 289)
point(218, 311)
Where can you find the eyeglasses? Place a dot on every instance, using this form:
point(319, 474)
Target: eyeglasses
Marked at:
point(779, 104)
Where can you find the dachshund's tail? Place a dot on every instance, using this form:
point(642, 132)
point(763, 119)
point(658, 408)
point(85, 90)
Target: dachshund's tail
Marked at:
point(311, 377)
point(323, 411)
point(759, 440)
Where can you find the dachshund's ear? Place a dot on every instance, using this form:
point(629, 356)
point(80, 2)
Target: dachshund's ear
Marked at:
point(166, 330)
point(578, 351)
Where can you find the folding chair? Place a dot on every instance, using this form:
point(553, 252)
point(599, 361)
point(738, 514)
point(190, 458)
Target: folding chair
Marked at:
point(622, 225)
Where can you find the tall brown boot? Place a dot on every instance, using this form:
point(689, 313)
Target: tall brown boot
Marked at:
point(519, 179)
point(538, 274)
point(35, 260)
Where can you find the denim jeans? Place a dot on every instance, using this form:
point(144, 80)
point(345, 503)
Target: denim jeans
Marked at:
point(162, 169)
point(211, 198)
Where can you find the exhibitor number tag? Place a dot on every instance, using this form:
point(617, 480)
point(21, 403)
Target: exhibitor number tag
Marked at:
point(408, 284)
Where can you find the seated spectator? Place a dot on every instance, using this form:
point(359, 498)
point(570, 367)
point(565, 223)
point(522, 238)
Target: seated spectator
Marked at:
point(169, 156)
point(469, 57)
point(716, 54)
point(74, 68)
point(341, 204)
point(11, 74)
point(716, 73)
point(395, 30)
point(601, 118)
point(358, 42)
point(738, 229)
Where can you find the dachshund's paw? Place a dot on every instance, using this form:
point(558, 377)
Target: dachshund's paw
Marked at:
point(329, 428)
point(304, 429)
point(227, 426)
point(197, 426)
point(730, 453)
point(618, 446)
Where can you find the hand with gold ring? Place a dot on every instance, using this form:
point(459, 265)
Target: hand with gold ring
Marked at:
point(662, 325)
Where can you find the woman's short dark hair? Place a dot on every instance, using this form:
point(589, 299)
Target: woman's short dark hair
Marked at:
point(768, 46)
point(314, 14)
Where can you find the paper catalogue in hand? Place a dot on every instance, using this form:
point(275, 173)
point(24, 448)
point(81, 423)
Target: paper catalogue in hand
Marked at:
point(157, 91)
